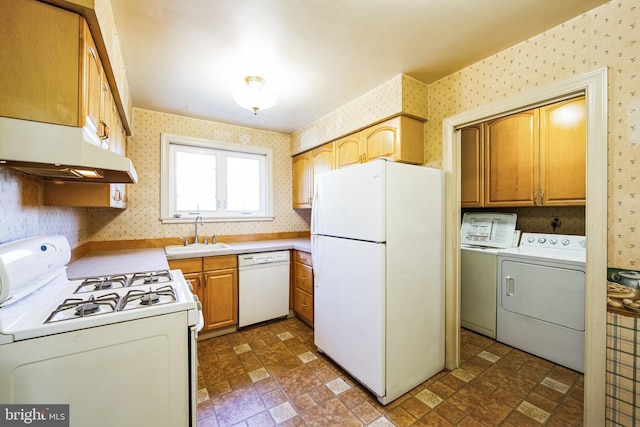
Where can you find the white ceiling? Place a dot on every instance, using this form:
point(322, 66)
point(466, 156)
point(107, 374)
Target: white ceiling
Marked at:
point(188, 57)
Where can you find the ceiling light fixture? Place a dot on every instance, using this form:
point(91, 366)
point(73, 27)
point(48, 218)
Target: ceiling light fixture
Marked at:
point(254, 96)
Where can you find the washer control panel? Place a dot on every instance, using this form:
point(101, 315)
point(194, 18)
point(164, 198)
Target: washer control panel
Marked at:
point(555, 241)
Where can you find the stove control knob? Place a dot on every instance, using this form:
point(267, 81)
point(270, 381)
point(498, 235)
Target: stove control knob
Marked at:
point(541, 240)
point(531, 239)
point(553, 241)
point(565, 242)
point(583, 243)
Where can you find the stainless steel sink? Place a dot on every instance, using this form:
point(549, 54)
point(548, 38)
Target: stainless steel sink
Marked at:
point(197, 248)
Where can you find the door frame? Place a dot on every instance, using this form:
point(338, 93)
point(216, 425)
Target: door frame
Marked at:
point(594, 86)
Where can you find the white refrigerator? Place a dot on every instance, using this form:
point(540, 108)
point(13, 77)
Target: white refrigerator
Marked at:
point(378, 259)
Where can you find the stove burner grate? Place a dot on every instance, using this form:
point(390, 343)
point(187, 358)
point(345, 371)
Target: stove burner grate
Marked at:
point(162, 295)
point(150, 277)
point(84, 307)
point(101, 283)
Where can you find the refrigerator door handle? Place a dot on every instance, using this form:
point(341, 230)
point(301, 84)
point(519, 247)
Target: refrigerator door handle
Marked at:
point(314, 210)
point(315, 255)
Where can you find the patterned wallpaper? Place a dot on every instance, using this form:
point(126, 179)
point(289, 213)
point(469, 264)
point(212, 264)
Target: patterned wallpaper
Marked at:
point(399, 94)
point(604, 37)
point(22, 214)
point(141, 219)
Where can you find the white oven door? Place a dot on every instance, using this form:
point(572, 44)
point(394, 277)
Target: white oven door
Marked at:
point(124, 374)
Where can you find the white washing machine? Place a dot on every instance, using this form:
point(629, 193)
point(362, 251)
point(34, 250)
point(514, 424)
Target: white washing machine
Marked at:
point(482, 235)
point(541, 297)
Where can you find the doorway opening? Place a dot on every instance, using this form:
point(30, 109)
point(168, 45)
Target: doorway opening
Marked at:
point(594, 86)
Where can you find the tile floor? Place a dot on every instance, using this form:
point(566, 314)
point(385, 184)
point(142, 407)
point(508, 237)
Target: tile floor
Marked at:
point(272, 374)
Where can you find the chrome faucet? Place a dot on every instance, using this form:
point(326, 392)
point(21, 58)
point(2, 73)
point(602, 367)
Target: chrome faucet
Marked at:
point(196, 223)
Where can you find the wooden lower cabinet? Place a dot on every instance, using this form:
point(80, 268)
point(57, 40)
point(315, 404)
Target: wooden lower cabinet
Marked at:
point(303, 286)
point(221, 298)
point(215, 281)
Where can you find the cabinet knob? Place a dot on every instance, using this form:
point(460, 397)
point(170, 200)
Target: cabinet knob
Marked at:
point(535, 198)
point(542, 197)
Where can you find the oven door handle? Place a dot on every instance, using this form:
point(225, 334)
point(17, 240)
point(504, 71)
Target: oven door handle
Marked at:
point(200, 323)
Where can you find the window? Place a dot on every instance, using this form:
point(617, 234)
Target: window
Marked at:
point(215, 180)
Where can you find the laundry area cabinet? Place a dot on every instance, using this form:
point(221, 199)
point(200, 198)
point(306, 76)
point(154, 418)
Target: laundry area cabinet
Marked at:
point(531, 158)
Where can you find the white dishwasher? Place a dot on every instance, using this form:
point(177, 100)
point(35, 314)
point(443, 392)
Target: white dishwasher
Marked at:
point(263, 287)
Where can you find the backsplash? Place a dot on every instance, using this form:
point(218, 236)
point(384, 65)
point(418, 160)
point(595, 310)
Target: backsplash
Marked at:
point(538, 219)
point(23, 215)
point(141, 220)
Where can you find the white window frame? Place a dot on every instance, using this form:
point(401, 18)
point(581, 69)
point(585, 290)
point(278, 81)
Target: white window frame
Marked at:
point(167, 175)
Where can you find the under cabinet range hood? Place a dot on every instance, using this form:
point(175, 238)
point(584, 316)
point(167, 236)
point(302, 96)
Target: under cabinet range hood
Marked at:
point(60, 152)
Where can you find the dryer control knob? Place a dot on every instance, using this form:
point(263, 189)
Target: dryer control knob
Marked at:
point(565, 242)
point(542, 240)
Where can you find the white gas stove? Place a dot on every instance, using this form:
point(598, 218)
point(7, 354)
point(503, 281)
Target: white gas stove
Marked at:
point(54, 332)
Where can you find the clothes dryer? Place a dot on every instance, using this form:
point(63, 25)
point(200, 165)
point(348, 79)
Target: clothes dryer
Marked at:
point(541, 297)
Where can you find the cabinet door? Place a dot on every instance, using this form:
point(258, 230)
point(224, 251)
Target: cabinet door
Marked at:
point(220, 298)
point(400, 138)
point(349, 150)
point(563, 153)
point(106, 103)
point(303, 305)
point(92, 70)
point(321, 160)
point(472, 167)
point(382, 140)
point(196, 284)
point(301, 172)
point(40, 58)
point(511, 160)
point(304, 277)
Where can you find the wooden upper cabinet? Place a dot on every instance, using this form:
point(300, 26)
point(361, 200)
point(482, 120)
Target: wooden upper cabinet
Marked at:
point(537, 157)
point(322, 159)
point(400, 139)
point(51, 70)
point(511, 160)
point(92, 80)
point(301, 171)
point(563, 153)
point(40, 59)
point(472, 166)
point(305, 167)
point(349, 150)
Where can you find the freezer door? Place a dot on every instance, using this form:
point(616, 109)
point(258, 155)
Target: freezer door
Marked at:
point(349, 302)
point(350, 202)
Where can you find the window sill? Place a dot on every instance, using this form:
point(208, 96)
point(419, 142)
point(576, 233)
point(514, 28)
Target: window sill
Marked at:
point(189, 220)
